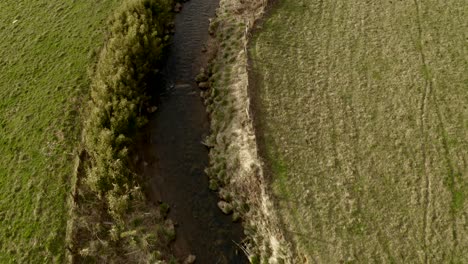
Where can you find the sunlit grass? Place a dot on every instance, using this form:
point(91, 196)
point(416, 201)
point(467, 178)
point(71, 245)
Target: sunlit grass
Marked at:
point(362, 109)
point(45, 50)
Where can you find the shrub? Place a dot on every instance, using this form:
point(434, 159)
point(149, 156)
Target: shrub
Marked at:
point(120, 87)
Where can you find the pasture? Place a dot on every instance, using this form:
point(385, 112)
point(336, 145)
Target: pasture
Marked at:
point(46, 48)
point(362, 109)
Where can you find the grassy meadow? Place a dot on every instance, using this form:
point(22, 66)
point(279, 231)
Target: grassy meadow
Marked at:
point(45, 50)
point(363, 111)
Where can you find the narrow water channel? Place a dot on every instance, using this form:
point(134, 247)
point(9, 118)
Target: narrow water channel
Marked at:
point(174, 156)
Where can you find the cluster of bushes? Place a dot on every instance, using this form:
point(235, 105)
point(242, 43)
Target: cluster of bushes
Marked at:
point(119, 91)
point(123, 76)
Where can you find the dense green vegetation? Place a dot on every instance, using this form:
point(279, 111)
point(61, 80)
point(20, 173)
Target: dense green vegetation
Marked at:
point(45, 49)
point(363, 111)
point(123, 80)
point(119, 91)
point(45, 52)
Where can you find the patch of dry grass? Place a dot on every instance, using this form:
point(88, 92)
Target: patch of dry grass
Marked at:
point(363, 113)
point(235, 168)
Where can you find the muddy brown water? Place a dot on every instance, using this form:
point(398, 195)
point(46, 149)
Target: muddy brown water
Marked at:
point(175, 159)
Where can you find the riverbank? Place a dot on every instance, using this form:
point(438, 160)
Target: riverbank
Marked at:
point(111, 220)
point(235, 168)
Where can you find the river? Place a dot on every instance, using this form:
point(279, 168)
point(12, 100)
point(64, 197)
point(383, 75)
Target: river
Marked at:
point(174, 158)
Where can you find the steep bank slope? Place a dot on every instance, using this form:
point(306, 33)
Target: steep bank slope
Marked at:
point(235, 168)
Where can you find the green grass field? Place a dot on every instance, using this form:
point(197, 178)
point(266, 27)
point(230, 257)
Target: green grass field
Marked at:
point(363, 108)
point(45, 50)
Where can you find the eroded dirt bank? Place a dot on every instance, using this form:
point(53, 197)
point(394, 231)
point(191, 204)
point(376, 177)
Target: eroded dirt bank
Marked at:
point(235, 164)
point(173, 158)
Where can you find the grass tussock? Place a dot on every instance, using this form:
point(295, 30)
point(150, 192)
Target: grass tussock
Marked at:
point(235, 169)
point(114, 222)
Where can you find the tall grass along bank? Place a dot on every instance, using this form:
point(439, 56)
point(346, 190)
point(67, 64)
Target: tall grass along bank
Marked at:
point(235, 169)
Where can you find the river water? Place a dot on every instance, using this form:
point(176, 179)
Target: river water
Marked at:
point(174, 158)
